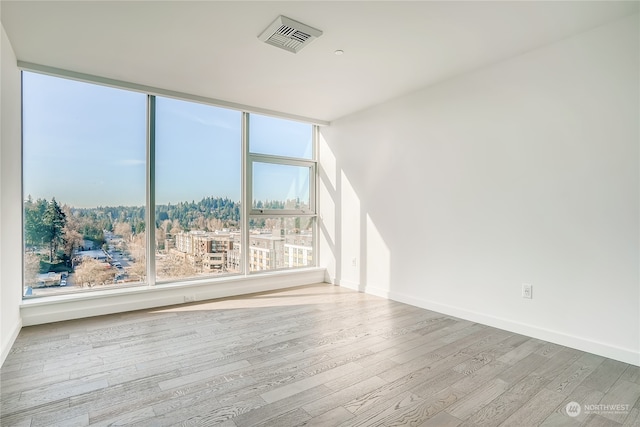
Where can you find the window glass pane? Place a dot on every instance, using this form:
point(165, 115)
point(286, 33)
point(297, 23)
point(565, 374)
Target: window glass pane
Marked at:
point(198, 190)
point(279, 137)
point(84, 185)
point(277, 186)
point(280, 243)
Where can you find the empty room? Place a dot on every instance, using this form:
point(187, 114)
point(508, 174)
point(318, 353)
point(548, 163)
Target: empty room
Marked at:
point(320, 213)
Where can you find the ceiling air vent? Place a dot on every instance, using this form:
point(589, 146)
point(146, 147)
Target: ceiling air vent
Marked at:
point(288, 34)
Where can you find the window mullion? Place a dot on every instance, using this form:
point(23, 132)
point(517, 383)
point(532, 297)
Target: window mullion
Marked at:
point(151, 191)
point(246, 196)
point(278, 160)
point(316, 191)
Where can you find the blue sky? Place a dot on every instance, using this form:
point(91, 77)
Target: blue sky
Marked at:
point(85, 145)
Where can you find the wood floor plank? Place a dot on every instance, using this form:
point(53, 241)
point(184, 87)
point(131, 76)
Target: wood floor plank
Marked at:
point(549, 350)
point(367, 371)
point(385, 393)
point(422, 327)
point(61, 390)
point(499, 409)
point(496, 340)
point(605, 375)
point(331, 418)
point(632, 374)
point(12, 412)
point(575, 374)
point(621, 393)
point(376, 415)
point(53, 416)
point(479, 378)
point(535, 410)
point(307, 383)
point(338, 398)
point(294, 417)
point(391, 347)
point(600, 421)
point(441, 419)
point(633, 419)
point(472, 365)
point(522, 368)
point(123, 419)
point(417, 414)
point(477, 399)
point(24, 422)
point(444, 357)
point(275, 410)
point(316, 355)
point(20, 384)
point(522, 351)
point(204, 414)
point(437, 383)
point(558, 363)
point(581, 395)
point(199, 376)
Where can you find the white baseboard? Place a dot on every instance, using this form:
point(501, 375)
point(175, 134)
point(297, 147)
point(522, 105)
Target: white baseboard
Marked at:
point(6, 347)
point(329, 279)
point(67, 307)
point(580, 343)
point(354, 286)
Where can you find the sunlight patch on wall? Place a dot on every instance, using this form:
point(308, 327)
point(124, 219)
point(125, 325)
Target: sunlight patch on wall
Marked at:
point(351, 245)
point(378, 263)
point(327, 163)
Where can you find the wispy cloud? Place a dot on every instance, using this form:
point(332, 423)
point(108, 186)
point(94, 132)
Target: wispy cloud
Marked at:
point(130, 162)
point(206, 121)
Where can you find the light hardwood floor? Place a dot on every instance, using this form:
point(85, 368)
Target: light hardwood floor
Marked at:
point(316, 355)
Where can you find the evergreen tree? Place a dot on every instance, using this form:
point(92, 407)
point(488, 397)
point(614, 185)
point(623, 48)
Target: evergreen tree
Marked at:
point(54, 221)
point(34, 228)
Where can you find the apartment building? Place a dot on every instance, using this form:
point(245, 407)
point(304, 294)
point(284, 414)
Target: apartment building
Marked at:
point(268, 250)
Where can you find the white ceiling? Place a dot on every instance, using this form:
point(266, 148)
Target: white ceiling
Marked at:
point(211, 48)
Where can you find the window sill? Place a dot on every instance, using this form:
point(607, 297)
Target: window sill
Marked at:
point(57, 308)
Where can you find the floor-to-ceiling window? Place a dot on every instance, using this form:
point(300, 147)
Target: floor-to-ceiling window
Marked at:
point(124, 188)
point(282, 189)
point(198, 186)
point(83, 184)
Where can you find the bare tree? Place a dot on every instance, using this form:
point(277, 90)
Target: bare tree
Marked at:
point(72, 237)
point(93, 272)
point(123, 229)
point(160, 236)
point(31, 268)
point(200, 222)
point(138, 268)
point(214, 224)
point(137, 247)
point(176, 227)
point(175, 267)
point(166, 225)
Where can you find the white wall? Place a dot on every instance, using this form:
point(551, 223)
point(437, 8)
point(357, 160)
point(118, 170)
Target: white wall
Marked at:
point(10, 198)
point(523, 172)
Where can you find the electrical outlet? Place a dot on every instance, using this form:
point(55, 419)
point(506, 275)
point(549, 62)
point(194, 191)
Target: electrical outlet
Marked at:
point(189, 298)
point(527, 291)
point(354, 262)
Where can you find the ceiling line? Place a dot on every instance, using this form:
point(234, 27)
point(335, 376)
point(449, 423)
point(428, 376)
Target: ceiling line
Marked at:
point(119, 84)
